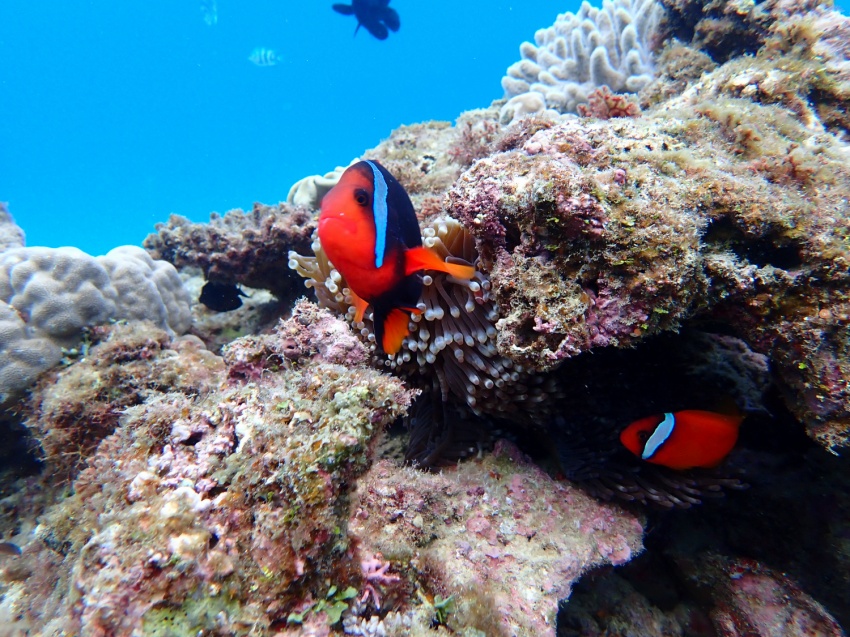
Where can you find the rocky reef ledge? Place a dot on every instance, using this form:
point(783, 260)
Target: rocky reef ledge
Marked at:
point(170, 470)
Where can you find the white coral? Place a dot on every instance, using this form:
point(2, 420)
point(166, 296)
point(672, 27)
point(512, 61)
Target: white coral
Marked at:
point(48, 295)
point(580, 53)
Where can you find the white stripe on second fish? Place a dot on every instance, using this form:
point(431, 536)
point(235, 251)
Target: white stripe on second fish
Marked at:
point(659, 436)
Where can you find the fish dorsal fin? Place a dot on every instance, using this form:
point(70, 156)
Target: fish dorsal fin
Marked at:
point(659, 436)
point(379, 212)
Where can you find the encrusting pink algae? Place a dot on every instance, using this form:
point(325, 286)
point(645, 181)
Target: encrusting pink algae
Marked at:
point(684, 244)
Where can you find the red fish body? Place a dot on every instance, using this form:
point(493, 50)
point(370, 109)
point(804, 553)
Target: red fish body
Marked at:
point(684, 439)
point(370, 233)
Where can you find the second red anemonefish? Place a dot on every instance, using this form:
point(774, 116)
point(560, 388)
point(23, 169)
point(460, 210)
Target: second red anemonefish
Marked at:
point(684, 439)
point(369, 231)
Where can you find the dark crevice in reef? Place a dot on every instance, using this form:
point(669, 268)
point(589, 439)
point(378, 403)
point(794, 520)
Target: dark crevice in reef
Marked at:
point(713, 29)
point(771, 249)
point(785, 527)
point(19, 452)
point(789, 524)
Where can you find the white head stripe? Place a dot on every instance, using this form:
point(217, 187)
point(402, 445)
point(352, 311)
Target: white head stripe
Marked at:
point(659, 436)
point(379, 212)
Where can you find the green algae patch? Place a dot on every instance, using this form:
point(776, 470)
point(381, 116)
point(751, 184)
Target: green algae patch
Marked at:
point(194, 617)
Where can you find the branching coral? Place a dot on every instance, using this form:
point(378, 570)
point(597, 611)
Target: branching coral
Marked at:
point(582, 52)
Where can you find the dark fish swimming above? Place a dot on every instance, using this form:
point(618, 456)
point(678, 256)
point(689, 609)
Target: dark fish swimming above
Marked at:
point(221, 297)
point(369, 231)
point(375, 16)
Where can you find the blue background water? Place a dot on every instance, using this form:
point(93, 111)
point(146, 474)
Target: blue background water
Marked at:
point(115, 114)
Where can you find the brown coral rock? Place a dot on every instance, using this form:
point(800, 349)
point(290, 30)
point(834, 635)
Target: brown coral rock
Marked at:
point(603, 233)
point(248, 248)
point(499, 534)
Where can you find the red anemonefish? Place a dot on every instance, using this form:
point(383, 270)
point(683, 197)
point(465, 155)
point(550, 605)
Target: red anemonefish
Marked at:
point(369, 231)
point(683, 440)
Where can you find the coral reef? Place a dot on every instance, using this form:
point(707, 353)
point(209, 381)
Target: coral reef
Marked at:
point(580, 53)
point(49, 295)
point(498, 535)
point(452, 340)
point(625, 266)
point(238, 501)
point(11, 235)
point(74, 408)
point(228, 507)
point(248, 248)
point(599, 233)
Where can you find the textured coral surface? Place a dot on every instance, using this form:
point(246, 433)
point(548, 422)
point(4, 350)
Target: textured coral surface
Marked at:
point(499, 534)
point(669, 251)
point(48, 296)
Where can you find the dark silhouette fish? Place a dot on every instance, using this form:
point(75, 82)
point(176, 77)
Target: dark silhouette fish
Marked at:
point(221, 297)
point(374, 15)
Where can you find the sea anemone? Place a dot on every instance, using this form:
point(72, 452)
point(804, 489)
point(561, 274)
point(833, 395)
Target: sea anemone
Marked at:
point(452, 343)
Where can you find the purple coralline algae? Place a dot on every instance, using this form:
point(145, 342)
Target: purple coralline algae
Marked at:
point(665, 248)
point(217, 498)
point(499, 535)
point(216, 494)
point(248, 248)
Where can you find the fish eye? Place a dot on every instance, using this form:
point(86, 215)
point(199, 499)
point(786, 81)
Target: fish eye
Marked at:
point(361, 197)
point(643, 436)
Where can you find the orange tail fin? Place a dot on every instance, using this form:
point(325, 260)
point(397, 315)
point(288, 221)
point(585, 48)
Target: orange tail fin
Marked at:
point(395, 329)
point(359, 306)
point(420, 258)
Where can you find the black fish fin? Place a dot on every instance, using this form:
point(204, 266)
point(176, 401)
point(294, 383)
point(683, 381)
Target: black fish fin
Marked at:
point(344, 9)
point(390, 18)
point(377, 29)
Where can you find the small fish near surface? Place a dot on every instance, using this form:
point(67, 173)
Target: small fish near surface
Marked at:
point(683, 440)
point(264, 57)
point(375, 16)
point(221, 297)
point(369, 231)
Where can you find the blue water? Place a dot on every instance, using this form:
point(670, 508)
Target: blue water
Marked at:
point(115, 114)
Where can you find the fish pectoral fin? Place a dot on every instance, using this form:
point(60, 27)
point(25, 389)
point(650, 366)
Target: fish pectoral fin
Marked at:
point(394, 330)
point(344, 9)
point(420, 258)
point(359, 307)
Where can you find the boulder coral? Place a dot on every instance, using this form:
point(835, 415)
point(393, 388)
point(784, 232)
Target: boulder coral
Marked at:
point(49, 295)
